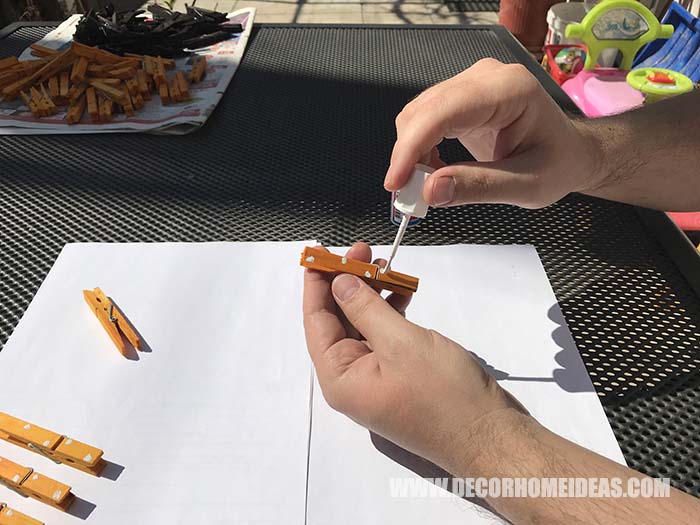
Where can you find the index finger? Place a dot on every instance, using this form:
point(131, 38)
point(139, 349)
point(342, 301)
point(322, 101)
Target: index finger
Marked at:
point(473, 99)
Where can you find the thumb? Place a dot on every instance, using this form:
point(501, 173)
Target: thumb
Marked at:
point(372, 316)
point(505, 181)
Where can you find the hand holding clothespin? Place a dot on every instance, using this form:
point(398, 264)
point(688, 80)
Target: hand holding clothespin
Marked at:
point(112, 320)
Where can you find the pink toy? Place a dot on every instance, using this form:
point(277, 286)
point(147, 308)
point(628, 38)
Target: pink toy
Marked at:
point(603, 91)
point(619, 24)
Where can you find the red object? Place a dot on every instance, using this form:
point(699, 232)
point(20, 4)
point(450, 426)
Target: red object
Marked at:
point(659, 77)
point(527, 20)
point(686, 221)
point(553, 68)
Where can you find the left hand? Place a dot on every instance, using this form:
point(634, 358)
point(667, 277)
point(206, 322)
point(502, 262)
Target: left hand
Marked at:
point(410, 385)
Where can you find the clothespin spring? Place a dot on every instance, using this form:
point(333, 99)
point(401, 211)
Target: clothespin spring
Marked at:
point(43, 452)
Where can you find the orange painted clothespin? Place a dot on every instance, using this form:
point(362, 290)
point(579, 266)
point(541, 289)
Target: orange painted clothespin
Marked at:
point(324, 261)
point(27, 482)
point(10, 516)
point(113, 321)
point(56, 447)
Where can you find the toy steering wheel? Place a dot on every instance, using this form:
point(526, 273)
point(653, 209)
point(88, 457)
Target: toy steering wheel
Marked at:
point(657, 83)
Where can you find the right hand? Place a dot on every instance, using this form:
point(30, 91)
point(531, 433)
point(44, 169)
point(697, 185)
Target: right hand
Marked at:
point(528, 152)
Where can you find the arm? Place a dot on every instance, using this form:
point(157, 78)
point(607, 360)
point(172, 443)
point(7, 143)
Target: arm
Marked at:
point(531, 154)
point(428, 395)
point(650, 157)
point(516, 445)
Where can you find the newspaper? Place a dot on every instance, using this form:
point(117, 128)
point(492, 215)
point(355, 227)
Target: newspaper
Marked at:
point(177, 118)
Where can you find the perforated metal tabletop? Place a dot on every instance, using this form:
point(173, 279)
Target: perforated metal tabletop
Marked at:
point(297, 149)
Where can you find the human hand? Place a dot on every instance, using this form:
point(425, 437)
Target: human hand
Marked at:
point(410, 385)
point(529, 152)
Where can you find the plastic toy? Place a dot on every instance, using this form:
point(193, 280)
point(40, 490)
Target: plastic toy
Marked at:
point(679, 53)
point(621, 24)
point(564, 61)
point(657, 83)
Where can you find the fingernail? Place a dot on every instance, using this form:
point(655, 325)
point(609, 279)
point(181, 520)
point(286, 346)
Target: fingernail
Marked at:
point(444, 191)
point(345, 286)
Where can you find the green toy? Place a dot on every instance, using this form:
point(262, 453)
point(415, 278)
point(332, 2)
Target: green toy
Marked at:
point(621, 24)
point(657, 83)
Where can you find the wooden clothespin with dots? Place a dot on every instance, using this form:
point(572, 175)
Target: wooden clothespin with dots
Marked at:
point(10, 516)
point(58, 448)
point(322, 260)
point(27, 482)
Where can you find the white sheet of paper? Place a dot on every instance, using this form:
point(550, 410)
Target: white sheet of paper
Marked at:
point(211, 425)
point(495, 301)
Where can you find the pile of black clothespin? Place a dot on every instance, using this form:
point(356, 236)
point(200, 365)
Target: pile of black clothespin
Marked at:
point(166, 33)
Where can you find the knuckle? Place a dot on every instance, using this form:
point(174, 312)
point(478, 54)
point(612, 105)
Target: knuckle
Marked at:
point(516, 70)
point(405, 115)
point(523, 77)
point(487, 62)
point(401, 118)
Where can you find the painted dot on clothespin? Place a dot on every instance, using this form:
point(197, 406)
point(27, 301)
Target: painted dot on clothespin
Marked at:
point(57, 495)
point(27, 427)
point(367, 274)
point(310, 259)
point(88, 458)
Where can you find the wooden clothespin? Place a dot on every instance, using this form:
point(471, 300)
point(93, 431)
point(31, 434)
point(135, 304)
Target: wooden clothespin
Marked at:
point(113, 321)
point(27, 482)
point(199, 69)
point(56, 447)
point(324, 261)
point(10, 516)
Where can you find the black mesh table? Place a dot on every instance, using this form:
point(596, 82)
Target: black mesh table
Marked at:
point(297, 149)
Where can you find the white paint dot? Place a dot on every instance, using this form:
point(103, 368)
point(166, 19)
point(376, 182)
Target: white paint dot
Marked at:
point(344, 260)
point(88, 458)
point(57, 495)
point(35, 477)
point(367, 274)
point(310, 259)
point(27, 427)
point(9, 512)
point(47, 443)
point(16, 478)
point(68, 441)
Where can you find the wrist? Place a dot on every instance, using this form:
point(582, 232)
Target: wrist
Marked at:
point(592, 156)
point(495, 445)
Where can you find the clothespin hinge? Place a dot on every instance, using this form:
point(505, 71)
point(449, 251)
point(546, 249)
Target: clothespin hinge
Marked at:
point(43, 452)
